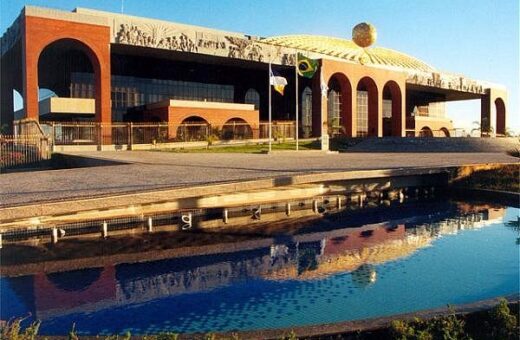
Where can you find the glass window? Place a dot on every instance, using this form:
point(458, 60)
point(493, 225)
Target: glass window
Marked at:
point(362, 114)
point(334, 112)
point(387, 108)
point(307, 113)
point(252, 97)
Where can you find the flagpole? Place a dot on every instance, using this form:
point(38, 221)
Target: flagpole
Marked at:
point(296, 84)
point(270, 125)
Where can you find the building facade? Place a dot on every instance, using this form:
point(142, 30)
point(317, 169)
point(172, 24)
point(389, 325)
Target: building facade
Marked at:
point(121, 68)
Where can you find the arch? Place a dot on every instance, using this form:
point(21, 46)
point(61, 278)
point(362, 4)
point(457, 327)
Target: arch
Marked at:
point(392, 110)
point(75, 280)
point(306, 106)
point(252, 97)
point(501, 117)
point(367, 108)
point(426, 132)
point(236, 128)
point(193, 128)
point(60, 61)
point(339, 105)
point(445, 131)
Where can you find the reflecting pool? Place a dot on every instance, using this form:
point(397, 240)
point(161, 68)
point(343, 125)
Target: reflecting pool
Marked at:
point(346, 266)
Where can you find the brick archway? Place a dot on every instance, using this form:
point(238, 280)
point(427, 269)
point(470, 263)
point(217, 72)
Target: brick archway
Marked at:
point(94, 40)
point(501, 117)
point(339, 82)
point(394, 126)
point(369, 85)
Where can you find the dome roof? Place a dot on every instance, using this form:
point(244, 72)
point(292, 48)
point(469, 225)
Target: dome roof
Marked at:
point(348, 50)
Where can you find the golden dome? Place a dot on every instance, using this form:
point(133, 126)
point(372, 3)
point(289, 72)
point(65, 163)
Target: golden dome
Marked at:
point(348, 50)
point(364, 34)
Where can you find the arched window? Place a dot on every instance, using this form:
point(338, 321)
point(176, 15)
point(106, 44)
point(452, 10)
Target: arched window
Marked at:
point(306, 113)
point(426, 132)
point(334, 108)
point(367, 108)
point(252, 97)
point(392, 124)
point(500, 107)
point(362, 113)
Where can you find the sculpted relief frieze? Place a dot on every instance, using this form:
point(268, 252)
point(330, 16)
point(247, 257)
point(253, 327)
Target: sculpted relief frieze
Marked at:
point(155, 37)
point(176, 39)
point(446, 81)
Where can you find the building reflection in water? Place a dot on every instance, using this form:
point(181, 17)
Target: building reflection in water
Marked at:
point(310, 255)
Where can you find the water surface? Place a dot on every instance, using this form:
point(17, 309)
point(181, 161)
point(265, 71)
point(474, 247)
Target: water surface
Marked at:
point(345, 267)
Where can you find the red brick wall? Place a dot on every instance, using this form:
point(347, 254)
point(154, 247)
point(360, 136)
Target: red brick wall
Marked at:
point(38, 33)
point(354, 73)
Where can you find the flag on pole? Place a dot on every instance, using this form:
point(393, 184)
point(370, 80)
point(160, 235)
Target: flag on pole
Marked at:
point(306, 66)
point(277, 81)
point(323, 86)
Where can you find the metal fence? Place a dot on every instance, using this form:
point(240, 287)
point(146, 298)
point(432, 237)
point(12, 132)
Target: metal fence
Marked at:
point(280, 130)
point(85, 133)
point(23, 150)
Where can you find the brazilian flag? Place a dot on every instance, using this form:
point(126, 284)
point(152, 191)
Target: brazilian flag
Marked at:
point(306, 66)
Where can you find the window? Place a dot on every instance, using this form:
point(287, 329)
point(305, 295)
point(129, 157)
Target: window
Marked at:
point(334, 112)
point(307, 112)
point(387, 108)
point(362, 114)
point(130, 91)
point(252, 97)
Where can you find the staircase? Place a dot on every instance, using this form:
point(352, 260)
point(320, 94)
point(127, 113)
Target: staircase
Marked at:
point(397, 144)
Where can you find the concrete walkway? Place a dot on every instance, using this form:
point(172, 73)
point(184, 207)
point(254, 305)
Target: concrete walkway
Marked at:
point(145, 171)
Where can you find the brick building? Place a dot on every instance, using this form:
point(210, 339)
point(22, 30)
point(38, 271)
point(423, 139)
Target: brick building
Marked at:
point(109, 67)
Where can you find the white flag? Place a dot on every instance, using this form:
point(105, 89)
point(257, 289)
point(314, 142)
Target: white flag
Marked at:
point(277, 81)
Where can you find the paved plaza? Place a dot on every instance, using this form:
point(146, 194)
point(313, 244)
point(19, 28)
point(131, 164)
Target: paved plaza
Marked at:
point(145, 171)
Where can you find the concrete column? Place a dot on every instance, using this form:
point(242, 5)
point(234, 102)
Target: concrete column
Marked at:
point(486, 115)
point(379, 132)
point(402, 88)
point(319, 106)
point(354, 107)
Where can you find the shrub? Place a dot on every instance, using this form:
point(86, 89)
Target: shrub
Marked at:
point(12, 330)
point(514, 152)
point(502, 324)
point(449, 327)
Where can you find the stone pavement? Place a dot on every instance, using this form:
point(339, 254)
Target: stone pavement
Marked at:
point(146, 171)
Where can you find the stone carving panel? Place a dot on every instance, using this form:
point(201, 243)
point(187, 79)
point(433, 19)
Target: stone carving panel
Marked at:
point(179, 38)
point(446, 81)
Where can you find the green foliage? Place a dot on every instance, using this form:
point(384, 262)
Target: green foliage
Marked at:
point(502, 325)
point(449, 327)
point(72, 333)
point(12, 330)
point(212, 139)
point(504, 178)
point(402, 330)
point(290, 336)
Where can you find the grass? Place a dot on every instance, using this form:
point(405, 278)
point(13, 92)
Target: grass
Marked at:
point(503, 178)
point(249, 148)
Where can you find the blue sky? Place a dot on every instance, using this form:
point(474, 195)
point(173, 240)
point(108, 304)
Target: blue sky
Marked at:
point(478, 38)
